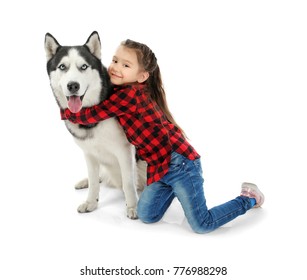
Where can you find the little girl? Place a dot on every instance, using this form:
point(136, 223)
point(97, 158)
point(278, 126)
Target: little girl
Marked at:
point(174, 168)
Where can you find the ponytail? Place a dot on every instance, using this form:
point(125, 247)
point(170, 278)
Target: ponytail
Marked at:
point(157, 93)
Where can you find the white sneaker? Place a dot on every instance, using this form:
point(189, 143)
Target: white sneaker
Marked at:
point(252, 191)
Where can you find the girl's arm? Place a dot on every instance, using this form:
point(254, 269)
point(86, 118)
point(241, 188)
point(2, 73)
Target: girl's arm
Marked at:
point(121, 102)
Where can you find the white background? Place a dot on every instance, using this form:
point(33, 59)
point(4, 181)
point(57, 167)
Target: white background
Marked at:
point(235, 76)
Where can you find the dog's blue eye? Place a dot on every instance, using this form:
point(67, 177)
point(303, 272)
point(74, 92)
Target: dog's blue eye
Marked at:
point(62, 67)
point(84, 67)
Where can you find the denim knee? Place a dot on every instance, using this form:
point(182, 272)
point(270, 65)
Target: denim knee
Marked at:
point(146, 216)
point(148, 219)
point(201, 228)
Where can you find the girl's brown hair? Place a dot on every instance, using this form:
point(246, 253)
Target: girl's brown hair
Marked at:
point(148, 62)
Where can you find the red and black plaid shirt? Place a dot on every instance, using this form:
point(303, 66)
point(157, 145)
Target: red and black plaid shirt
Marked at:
point(145, 125)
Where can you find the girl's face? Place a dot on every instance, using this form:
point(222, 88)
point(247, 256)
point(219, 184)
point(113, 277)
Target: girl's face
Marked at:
point(125, 69)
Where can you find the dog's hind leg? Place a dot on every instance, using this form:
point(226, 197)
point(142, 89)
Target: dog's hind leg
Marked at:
point(93, 181)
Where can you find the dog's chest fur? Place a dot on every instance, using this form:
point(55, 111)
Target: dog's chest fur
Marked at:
point(105, 138)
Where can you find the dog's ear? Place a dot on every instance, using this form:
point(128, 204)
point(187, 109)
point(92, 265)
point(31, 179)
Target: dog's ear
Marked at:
point(51, 46)
point(93, 43)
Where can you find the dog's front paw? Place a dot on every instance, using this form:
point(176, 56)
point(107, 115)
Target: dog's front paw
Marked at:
point(82, 184)
point(131, 213)
point(87, 207)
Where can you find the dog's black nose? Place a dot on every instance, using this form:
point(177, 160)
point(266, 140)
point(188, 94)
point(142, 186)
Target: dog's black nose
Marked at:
point(73, 87)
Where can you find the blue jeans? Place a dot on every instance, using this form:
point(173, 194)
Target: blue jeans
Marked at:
point(184, 180)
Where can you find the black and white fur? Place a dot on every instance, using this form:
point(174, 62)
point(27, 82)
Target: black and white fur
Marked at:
point(78, 71)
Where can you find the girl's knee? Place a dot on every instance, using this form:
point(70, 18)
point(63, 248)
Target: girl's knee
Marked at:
point(147, 219)
point(201, 227)
point(201, 230)
point(145, 215)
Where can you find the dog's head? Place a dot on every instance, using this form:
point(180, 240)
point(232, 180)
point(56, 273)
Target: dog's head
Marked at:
point(77, 77)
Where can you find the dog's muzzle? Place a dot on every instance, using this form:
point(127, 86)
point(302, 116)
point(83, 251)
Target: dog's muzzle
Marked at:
point(73, 87)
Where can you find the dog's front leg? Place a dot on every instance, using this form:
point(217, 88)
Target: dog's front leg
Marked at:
point(93, 192)
point(128, 172)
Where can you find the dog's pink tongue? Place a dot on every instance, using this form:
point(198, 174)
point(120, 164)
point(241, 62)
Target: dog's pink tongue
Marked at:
point(74, 104)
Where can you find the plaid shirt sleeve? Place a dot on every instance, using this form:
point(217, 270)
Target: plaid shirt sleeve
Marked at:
point(122, 101)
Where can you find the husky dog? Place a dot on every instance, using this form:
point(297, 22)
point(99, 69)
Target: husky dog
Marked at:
point(78, 79)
